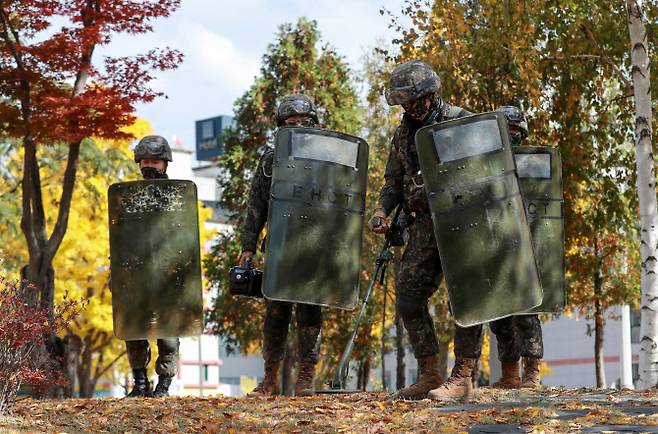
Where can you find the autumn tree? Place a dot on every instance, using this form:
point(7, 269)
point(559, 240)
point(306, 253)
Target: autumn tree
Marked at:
point(566, 66)
point(54, 93)
point(646, 190)
point(82, 266)
point(297, 61)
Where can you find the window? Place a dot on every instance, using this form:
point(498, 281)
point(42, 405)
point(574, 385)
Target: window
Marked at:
point(533, 165)
point(207, 130)
point(233, 381)
point(325, 148)
point(467, 140)
point(635, 326)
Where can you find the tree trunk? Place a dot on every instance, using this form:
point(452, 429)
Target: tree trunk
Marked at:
point(646, 190)
point(400, 377)
point(73, 349)
point(288, 369)
point(364, 374)
point(85, 380)
point(599, 323)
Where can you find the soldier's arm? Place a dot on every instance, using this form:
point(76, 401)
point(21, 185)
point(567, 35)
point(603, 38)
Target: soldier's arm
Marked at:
point(257, 205)
point(391, 193)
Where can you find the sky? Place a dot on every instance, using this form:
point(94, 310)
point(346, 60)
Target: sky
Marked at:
point(223, 43)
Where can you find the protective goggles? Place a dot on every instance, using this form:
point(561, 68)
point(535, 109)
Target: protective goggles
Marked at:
point(405, 94)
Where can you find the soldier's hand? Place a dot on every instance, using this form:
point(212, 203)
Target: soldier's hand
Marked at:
point(245, 257)
point(378, 222)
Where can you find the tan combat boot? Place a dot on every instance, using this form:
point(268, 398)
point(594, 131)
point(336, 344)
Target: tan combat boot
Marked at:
point(531, 377)
point(270, 386)
point(459, 385)
point(429, 378)
point(305, 376)
point(510, 378)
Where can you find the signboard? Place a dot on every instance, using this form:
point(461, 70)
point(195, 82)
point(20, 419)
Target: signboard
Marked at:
point(210, 137)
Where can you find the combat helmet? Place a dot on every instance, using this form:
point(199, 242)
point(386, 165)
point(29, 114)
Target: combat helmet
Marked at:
point(296, 104)
point(155, 147)
point(516, 118)
point(410, 81)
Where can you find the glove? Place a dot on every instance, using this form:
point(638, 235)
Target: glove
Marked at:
point(378, 223)
point(245, 257)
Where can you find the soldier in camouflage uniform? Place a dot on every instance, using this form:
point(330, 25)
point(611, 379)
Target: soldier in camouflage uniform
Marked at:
point(153, 153)
point(517, 336)
point(299, 111)
point(415, 86)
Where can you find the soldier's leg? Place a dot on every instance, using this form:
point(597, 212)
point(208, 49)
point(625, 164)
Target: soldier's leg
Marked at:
point(418, 278)
point(529, 329)
point(139, 355)
point(166, 365)
point(275, 334)
point(309, 326)
point(532, 348)
point(167, 362)
point(509, 352)
point(468, 347)
point(275, 330)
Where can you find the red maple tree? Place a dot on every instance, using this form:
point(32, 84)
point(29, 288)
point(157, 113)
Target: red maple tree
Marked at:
point(51, 92)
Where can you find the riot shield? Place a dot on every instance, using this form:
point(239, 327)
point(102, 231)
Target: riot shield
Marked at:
point(479, 218)
point(540, 179)
point(154, 256)
point(315, 218)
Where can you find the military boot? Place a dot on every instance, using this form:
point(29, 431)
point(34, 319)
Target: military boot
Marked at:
point(459, 385)
point(162, 388)
point(531, 377)
point(270, 386)
point(142, 386)
point(429, 377)
point(510, 378)
point(305, 376)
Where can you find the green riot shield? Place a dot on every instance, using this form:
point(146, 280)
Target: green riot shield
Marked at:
point(540, 178)
point(154, 256)
point(315, 218)
point(479, 218)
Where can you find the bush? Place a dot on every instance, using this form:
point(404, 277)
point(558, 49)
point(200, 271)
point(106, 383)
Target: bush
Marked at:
point(25, 333)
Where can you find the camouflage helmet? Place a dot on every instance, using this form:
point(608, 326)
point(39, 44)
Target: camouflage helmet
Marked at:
point(515, 117)
point(295, 104)
point(410, 81)
point(155, 147)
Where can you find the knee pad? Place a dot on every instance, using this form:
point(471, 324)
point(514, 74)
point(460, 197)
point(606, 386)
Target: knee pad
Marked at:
point(309, 315)
point(410, 307)
point(167, 346)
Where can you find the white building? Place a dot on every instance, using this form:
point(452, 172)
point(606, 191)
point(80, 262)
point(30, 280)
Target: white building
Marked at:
point(204, 368)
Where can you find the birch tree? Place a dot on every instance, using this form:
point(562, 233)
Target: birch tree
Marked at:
point(646, 190)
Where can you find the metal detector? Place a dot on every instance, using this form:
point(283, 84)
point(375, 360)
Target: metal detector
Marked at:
point(393, 237)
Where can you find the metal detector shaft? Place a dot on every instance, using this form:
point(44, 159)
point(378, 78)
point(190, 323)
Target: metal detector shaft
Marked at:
point(345, 359)
point(384, 256)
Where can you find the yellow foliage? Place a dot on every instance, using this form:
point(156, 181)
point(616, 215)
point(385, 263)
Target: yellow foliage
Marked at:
point(82, 262)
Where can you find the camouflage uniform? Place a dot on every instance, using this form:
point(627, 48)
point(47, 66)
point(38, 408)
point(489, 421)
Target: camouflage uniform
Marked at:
point(139, 355)
point(518, 336)
point(278, 313)
point(420, 269)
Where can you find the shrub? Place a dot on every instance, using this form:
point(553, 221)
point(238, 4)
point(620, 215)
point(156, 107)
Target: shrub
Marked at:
point(26, 332)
